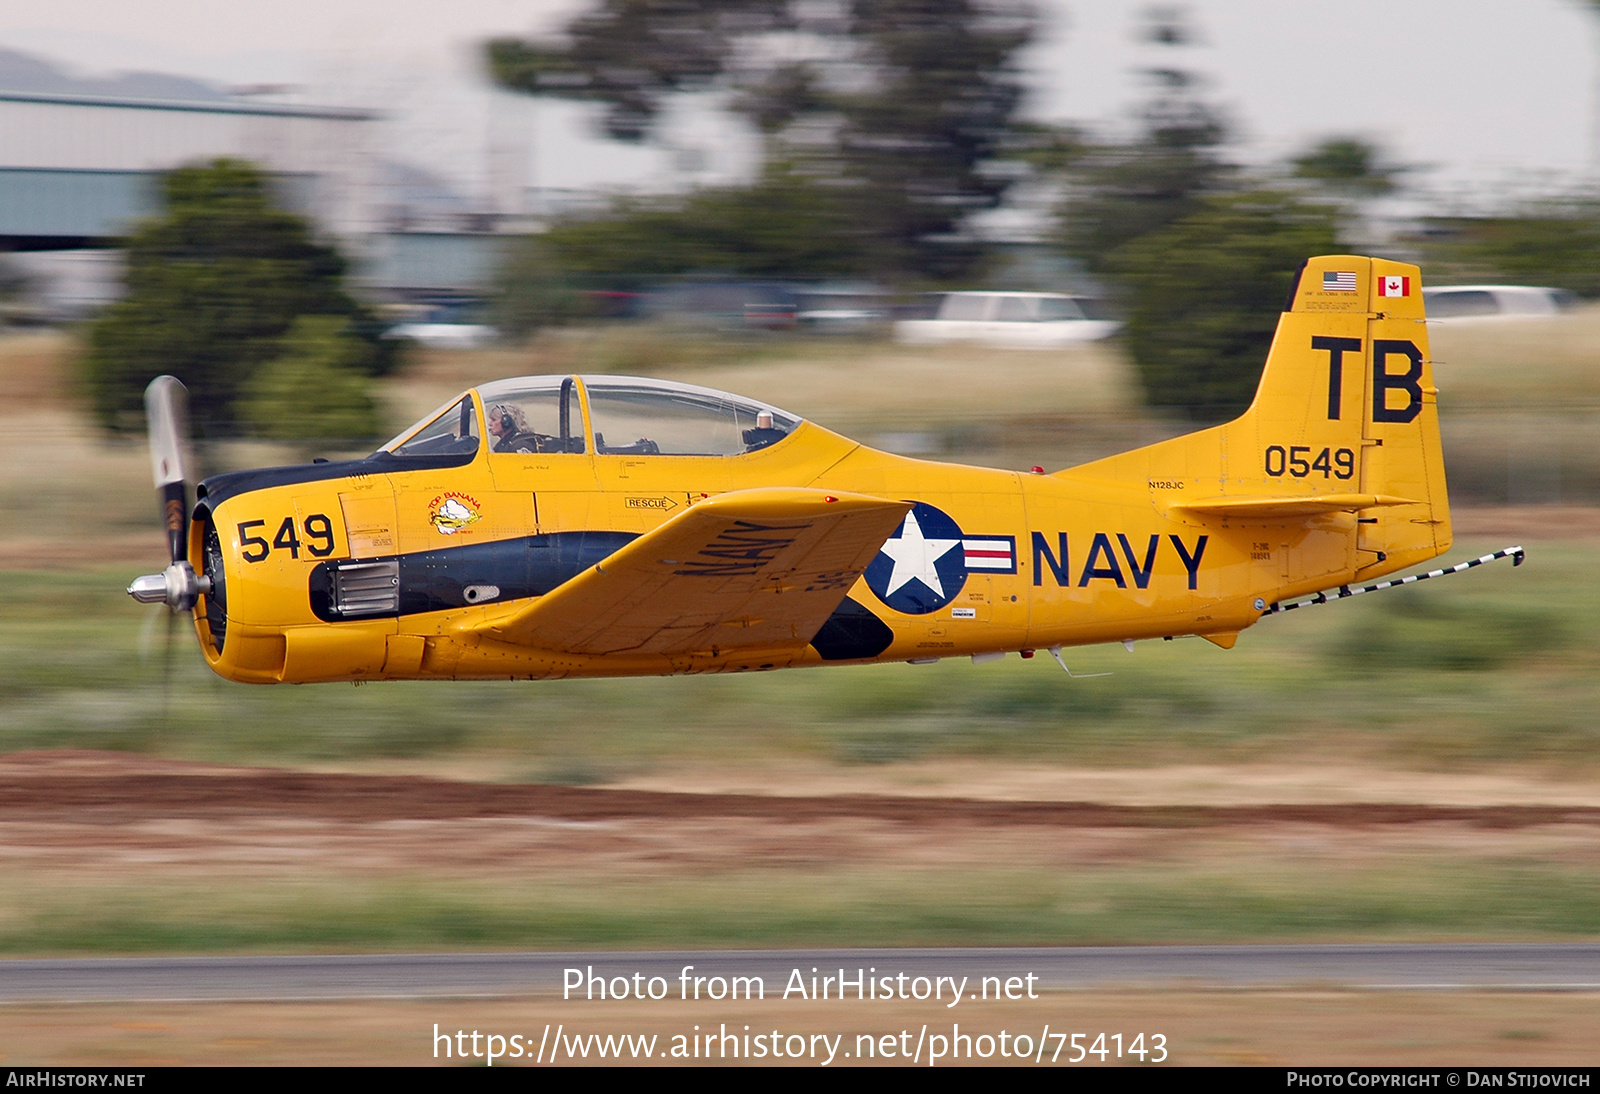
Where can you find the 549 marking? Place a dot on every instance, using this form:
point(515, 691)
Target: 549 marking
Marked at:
point(1296, 461)
point(316, 527)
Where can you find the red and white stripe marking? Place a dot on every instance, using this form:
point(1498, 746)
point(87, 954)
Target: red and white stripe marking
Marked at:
point(990, 554)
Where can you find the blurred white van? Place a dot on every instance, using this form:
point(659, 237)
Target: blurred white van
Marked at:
point(1014, 320)
point(1453, 302)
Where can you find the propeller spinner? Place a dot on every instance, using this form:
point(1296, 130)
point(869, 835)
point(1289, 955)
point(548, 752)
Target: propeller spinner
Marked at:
point(178, 587)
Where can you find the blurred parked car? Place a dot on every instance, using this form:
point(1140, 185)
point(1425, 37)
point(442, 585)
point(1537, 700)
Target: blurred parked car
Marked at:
point(842, 307)
point(1453, 302)
point(1019, 320)
point(444, 335)
point(726, 305)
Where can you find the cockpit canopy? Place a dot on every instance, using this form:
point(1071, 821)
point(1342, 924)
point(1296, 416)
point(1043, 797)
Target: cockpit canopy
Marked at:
point(606, 415)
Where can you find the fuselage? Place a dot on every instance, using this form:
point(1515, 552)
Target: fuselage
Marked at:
point(380, 568)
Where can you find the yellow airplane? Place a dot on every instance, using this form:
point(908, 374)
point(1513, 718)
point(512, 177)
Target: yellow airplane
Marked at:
point(553, 526)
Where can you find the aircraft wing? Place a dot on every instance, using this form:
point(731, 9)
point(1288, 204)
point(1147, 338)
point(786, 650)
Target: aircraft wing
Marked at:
point(747, 569)
point(1288, 507)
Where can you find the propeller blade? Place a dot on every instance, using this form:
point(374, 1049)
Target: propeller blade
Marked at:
point(147, 636)
point(164, 408)
point(177, 587)
point(166, 673)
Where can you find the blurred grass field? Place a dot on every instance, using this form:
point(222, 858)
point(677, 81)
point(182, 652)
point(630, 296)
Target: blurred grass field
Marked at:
point(1487, 675)
point(1262, 897)
point(1489, 668)
point(1496, 667)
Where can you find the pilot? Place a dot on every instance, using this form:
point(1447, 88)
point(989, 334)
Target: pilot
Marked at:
point(763, 434)
point(509, 427)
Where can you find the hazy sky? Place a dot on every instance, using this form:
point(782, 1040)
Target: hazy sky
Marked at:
point(1486, 92)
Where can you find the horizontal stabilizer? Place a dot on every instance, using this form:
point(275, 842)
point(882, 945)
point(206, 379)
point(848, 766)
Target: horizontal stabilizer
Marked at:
point(1280, 507)
point(750, 569)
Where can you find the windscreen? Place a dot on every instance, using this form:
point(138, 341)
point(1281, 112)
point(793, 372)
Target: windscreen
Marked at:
point(453, 432)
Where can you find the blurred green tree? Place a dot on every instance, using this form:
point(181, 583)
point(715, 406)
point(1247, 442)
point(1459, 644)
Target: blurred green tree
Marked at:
point(317, 389)
point(1556, 244)
point(895, 114)
point(1204, 294)
point(1121, 192)
point(213, 286)
point(785, 225)
point(1348, 167)
point(13, 284)
point(533, 291)
point(1197, 254)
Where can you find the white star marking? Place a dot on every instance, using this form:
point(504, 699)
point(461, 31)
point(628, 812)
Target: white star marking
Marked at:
point(916, 558)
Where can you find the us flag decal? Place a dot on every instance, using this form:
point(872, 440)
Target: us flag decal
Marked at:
point(991, 554)
point(1339, 281)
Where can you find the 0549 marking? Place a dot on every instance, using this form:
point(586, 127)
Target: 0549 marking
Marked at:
point(1339, 463)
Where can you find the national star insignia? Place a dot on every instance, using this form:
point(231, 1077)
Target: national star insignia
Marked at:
point(916, 558)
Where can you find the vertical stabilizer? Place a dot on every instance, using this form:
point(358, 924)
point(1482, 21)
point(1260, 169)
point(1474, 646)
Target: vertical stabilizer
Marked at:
point(1345, 420)
point(1355, 344)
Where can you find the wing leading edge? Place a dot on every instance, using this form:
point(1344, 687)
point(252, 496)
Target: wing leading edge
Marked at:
point(743, 570)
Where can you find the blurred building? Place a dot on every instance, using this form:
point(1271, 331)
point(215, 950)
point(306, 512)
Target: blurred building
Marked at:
point(80, 158)
point(77, 170)
point(81, 161)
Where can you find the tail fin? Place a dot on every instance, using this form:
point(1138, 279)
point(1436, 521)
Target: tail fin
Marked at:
point(1345, 420)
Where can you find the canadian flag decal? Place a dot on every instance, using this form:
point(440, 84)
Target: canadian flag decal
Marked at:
point(1394, 286)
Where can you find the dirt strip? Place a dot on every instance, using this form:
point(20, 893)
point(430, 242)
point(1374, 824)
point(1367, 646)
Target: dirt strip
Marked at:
point(131, 798)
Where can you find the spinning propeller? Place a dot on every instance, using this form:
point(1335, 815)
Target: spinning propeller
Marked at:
point(178, 587)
